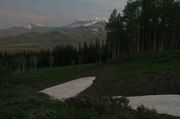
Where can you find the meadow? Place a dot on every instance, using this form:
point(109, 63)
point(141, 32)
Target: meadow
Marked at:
point(137, 75)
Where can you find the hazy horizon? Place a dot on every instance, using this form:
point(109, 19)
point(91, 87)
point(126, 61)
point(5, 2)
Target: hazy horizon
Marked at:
point(54, 12)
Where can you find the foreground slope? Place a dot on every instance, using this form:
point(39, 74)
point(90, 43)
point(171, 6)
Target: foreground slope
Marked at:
point(135, 76)
point(149, 74)
point(163, 104)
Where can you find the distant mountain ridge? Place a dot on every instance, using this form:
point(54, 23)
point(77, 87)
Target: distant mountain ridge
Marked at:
point(40, 28)
point(18, 30)
point(39, 36)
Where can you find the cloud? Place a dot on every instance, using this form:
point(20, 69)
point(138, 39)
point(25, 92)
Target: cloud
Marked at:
point(114, 3)
point(21, 15)
point(54, 12)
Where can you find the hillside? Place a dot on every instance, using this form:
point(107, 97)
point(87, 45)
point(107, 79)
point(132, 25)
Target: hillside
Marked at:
point(33, 37)
point(136, 75)
point(18, 30)
point(49, 40)
point(139, 75)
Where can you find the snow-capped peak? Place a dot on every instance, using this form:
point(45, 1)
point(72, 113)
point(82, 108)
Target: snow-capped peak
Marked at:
point(86, 22)
point(103, 19)
point(28, 26)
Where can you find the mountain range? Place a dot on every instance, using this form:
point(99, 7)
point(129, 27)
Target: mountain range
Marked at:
point(38, 36)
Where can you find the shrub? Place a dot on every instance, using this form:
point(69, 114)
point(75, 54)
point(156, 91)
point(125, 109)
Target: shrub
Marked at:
point(5, 75)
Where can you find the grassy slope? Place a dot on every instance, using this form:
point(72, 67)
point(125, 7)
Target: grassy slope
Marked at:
point(43, 78)
point(133, 76)
point(140, 75)
point(22, 102)
point(34, 40)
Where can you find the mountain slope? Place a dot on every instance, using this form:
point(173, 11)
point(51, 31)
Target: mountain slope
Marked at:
point(38, 37)
point(34, 40)
point(86, 23)
point(18, 30)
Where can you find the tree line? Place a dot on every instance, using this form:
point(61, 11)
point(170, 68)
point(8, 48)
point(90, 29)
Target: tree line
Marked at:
point(61, 55)
point(144, 26)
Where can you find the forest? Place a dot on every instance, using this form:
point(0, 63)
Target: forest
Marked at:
point(145, 26)
point(19, 62)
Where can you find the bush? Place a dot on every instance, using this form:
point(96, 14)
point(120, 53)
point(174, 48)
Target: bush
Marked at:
point(5, 75)
point(144, 113)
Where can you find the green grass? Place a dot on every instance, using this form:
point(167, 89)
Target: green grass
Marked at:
point(137, 75)
point(43, 78)
point(22, 102)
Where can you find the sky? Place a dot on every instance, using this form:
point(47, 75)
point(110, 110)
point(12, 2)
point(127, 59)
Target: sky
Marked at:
point(54, 12)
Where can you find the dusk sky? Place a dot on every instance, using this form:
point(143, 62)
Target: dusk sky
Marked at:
point(54, 12)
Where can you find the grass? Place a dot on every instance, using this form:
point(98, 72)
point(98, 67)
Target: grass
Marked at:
point(22, 102)
point(137, 75)
point(43, 78)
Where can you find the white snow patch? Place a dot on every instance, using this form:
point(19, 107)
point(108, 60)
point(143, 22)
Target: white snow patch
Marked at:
point(91, 23)
point(163, 104)
point(69, 89)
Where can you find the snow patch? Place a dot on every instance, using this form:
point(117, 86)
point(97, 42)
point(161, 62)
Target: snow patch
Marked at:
point(163, 104)
point(86, 22)
point(69, 89)
point(31, 26)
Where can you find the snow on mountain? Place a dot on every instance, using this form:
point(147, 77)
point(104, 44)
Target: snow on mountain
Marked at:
point(28, 26)
point(86, 22)
point(94, 25)
point(91, 23)
point(31, 26)
point(18, 30)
